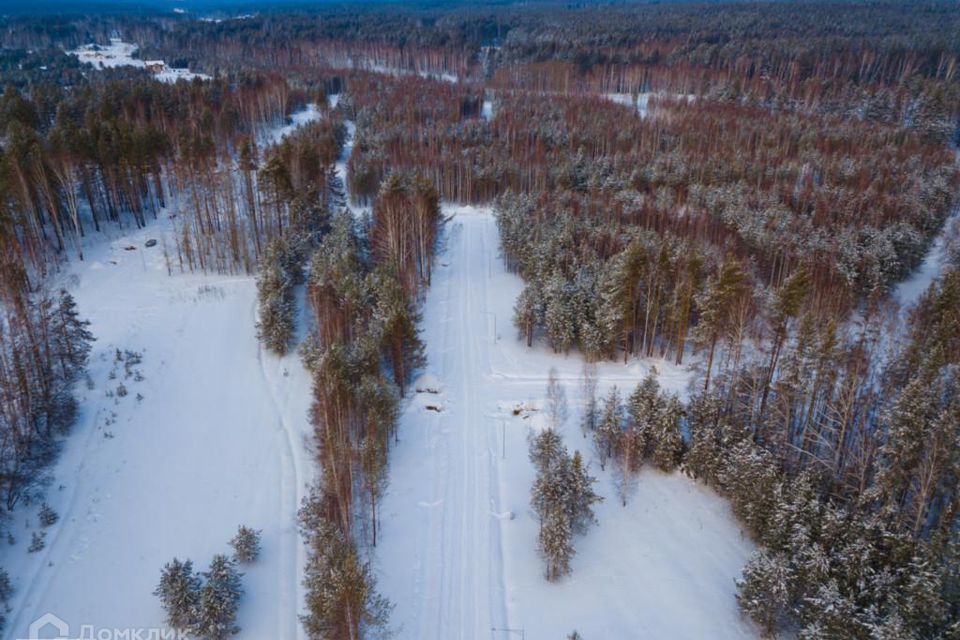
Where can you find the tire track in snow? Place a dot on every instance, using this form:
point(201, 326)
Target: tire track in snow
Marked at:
point(461, 575)
point(58, 546)
point(291, 482)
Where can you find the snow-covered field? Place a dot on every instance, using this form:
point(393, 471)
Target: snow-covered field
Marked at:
point(217, 440)
point(457, 554)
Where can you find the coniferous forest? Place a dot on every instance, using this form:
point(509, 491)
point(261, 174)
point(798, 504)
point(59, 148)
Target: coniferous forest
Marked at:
point(744, 192)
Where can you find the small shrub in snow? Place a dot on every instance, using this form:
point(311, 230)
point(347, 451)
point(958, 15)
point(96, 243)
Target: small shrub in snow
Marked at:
point(47, 515)
point(121, 390)
point(37, 542)
point(246, 545)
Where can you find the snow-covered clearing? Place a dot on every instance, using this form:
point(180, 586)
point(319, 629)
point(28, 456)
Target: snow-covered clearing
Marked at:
point(457, 555)
point(385, 69)
point(908, 292)
point(275, 134)
point(642, 100)
point(217, 440)
point(341, 164)
point(121, 54)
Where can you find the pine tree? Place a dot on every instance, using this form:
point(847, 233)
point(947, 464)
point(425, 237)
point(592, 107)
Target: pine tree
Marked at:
point(529, 311)
point(179, 593)
point(70, 338)
point(246, 545)
point(276, 308)
point(607, 436)
point(341, 596)
point(715, 305)
point(832, 615)
point(559, 318)
point(764, 591)
point(219, 600)
point(645, 406)
point(546, 449)
point(581, 495)
point(562, 497)
point(705, 458)
point(667, 439)
point(556, 544)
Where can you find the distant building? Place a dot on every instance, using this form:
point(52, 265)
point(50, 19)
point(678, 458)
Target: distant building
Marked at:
point(155, 66)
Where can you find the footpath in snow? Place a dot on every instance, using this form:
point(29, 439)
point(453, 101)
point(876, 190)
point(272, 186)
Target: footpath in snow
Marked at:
point(210, 434)
point(458, 551)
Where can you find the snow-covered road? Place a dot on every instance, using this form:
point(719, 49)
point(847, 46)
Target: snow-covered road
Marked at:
point(457, 553)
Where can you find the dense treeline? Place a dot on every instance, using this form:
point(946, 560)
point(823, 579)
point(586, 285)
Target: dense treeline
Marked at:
point(636, 261)
point(406, 124)
point(795, 50)
point(118, 152)
point(363, 291)
point(43, 352)
point(887, 61)
point(862, 200)
point(883, 61)
point(848, 482)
